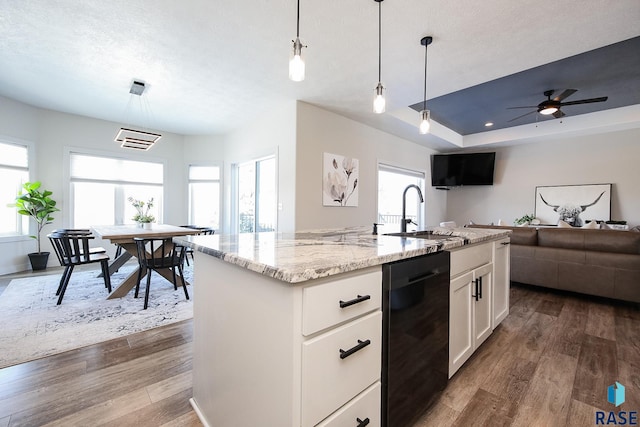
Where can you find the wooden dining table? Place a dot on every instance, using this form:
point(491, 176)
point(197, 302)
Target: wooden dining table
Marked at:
point(123, 235)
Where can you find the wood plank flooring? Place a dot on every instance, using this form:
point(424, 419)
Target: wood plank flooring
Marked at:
point(547, 364)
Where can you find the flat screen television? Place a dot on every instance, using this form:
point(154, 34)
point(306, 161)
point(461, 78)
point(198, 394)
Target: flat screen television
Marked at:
point(453, 170)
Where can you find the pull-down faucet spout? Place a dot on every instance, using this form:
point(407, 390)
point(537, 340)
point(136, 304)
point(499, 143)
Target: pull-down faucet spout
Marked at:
point(405, 221)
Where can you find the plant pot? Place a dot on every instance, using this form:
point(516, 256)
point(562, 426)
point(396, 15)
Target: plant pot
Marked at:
point(146, 225)
point(38, 260)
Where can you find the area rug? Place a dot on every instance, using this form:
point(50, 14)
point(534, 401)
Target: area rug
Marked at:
point(33, 326)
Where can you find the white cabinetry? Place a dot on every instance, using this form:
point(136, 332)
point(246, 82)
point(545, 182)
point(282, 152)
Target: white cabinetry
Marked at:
point(471, 295)
point(274, 354)
point(501, 280)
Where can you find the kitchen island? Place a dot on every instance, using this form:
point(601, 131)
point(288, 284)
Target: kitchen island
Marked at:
point(287, 327)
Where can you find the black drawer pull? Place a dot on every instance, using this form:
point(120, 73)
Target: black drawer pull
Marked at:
point(362, 423)
point(361, 344)
point(360, 298)
point(480, 291)
point(504, 243)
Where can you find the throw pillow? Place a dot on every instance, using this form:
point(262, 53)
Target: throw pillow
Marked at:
point(563, 224)
point(592, 225)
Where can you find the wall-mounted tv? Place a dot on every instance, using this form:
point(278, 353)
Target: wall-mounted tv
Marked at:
point(453, 170)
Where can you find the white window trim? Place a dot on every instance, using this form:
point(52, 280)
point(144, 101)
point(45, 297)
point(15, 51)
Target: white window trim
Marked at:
point(416, 172)
point(66, 175)
point(220, 181)
point(233, 208)
point(32, 167)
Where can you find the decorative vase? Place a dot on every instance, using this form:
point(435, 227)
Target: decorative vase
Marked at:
point(38, 260)
point(146, 225)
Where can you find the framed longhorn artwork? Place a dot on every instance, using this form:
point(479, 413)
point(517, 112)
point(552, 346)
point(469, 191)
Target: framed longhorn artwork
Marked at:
point(573, 204)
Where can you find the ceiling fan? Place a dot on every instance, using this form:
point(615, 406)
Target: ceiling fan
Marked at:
point(552, 106)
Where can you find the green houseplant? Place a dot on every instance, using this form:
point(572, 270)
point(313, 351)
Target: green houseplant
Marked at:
point(37, 204)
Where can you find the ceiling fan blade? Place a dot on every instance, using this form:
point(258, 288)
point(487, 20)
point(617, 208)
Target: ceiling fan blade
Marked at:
point(558, 114)
point(585, 101)
point(528, 106)
point(567, 93)
point(519, 117)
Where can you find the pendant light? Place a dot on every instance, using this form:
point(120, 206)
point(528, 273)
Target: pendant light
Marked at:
point(296, 63)
point(425, 115)
point(379, 101)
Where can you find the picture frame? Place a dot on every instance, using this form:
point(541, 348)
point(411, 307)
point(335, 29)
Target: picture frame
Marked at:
point(574, 204)
point(339, 180)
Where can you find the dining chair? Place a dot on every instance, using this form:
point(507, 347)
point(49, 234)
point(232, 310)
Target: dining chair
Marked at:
point(73, 249)
point(80, 232)
point(157, 254)
point(202, 231)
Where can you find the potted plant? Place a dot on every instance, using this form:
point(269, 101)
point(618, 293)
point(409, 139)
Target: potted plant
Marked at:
point(38, 205)
point(142, 216)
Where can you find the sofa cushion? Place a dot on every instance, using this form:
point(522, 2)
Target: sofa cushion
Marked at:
point(519, 235)
point(562, 238)
point(612, 241)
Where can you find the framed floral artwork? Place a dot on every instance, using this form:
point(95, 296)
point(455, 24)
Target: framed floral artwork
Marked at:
point(339, 180)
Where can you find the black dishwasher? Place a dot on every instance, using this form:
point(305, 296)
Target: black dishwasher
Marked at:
point(415, 336)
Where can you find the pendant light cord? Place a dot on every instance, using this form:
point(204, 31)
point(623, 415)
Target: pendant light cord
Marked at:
point(379, 39)
point(424, 104)
point(298, 21)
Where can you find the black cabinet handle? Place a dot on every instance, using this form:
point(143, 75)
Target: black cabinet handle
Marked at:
point(504, 243)
point(362, 423)
point(476, 296)
point(361, 344)
point(360, 298)
point(480, 291)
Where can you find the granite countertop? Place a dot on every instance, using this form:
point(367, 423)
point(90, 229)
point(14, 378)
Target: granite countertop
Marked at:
point(302, 256)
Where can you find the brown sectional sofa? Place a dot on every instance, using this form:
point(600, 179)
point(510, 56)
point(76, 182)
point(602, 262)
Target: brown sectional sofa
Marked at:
point(596, 262)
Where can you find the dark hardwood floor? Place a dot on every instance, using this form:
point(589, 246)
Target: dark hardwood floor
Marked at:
point(548, 364)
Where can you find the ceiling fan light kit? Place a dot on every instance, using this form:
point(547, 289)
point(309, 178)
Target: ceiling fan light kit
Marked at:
point(296, 63)
point(379, 101)
point(550, 106)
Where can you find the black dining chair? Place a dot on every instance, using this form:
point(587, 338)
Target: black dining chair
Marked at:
point(80, 232)
point(157, 254)
point(73, 249)
point(202, 231)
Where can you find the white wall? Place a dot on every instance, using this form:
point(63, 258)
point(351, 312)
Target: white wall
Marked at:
point(321, 131)
point(597, 159)
point(53, 134)
point(273, 132)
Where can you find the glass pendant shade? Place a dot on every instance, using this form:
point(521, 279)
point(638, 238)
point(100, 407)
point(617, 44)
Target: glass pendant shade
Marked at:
point(296, 63)
point(425, 121)
point(379, 101)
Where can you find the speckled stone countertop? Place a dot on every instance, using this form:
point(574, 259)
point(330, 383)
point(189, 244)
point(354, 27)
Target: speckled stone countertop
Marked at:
point(302, 256)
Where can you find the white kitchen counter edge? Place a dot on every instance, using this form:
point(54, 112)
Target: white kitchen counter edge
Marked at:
point(302, 256)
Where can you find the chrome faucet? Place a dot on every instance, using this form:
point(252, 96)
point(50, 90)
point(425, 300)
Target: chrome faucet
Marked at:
point(405, 221)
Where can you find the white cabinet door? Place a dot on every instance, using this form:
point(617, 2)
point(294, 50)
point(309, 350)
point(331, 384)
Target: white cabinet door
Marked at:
point(501, 280)
point(482, 304)
point(460, 321)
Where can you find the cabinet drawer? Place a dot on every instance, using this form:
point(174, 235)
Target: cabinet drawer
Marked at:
point(329, 380)
point(469, 257)
point(365, 406)
point(332, 303)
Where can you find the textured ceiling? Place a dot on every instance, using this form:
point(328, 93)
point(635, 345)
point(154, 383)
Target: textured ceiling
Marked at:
point(212, 65)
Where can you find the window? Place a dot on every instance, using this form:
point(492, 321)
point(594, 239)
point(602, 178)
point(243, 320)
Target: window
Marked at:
point(392, 182)
point(204, 196)
point(256, 200)
point(100, 187)
point(14, 171)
